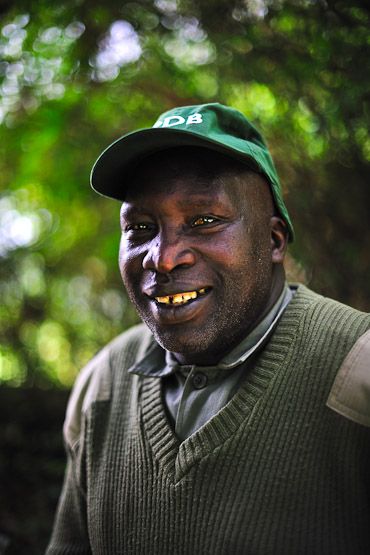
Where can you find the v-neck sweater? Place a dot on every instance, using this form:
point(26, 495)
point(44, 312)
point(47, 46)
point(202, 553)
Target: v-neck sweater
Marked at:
point(274, 472)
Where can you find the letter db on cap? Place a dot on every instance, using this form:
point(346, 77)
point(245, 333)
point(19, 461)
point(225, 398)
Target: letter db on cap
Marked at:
point(179, 120)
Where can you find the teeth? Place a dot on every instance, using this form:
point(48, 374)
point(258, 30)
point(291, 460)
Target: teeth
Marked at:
point(180, 298)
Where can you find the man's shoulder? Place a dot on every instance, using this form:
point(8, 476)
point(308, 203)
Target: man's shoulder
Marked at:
point(119, 354)
point(350, 393)
point(322, 329)
point(95, 381)
point(334, 315)
point(339, 335)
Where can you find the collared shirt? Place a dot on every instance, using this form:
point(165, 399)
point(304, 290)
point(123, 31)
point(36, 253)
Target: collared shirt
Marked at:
point(194, 394)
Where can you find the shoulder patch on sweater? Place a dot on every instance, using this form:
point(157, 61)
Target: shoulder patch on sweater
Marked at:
point(94, 383)
point(350, 393)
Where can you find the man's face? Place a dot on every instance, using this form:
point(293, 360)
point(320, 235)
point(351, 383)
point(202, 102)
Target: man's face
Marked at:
point(195, 256)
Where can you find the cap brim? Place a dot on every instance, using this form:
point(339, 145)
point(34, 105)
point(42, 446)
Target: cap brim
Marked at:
point(108, 175)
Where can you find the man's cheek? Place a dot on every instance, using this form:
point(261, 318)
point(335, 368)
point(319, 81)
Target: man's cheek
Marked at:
point(126, 262)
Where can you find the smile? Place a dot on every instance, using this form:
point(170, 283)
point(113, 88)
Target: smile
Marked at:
point(181, 298)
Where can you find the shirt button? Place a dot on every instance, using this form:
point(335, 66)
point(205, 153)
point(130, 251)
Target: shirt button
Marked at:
point(199, 380)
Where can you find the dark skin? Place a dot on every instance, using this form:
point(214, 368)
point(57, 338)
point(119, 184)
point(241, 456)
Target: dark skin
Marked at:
point(197, 225)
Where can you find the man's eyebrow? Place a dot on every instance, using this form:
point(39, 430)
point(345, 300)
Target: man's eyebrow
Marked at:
point(200, 201)
point(127, 211)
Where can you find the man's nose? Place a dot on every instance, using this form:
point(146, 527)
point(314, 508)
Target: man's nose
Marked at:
point(167, 252)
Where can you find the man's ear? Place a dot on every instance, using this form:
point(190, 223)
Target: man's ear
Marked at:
point(279, 239)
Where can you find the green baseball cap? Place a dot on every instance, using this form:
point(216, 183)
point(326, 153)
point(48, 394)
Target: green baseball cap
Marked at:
point(213, 126)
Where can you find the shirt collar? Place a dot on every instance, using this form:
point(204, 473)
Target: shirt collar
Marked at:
point(258, 336)
point(160, 363)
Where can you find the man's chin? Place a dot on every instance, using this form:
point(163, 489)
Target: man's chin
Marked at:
point(175, 342)
point(190, 348)
point(170, 342)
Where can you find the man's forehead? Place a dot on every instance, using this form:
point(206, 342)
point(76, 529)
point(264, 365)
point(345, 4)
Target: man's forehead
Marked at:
point(184, 188)
point(137, 206)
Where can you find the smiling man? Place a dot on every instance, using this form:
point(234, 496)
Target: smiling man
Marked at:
point(196, 254)
point(236, 418)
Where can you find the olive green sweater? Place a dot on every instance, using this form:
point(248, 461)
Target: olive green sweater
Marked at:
point(274, 472)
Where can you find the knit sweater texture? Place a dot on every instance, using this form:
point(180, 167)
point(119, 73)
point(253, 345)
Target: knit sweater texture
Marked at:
point(275, 472)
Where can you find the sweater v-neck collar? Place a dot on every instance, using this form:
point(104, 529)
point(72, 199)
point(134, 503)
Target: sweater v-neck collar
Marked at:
point(177, 458)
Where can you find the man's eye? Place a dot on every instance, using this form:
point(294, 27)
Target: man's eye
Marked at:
point(203, 220)
point(138, 227)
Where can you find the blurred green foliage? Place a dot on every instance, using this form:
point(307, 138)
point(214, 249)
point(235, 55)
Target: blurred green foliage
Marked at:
point(78, 74)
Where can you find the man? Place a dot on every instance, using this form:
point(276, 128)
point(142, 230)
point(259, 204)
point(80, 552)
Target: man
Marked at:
point(236, 418)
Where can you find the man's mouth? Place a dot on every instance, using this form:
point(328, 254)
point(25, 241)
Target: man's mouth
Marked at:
point(179, 299)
